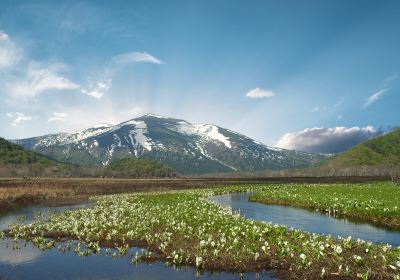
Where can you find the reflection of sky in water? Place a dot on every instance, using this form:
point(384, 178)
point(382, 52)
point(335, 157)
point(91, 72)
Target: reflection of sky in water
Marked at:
point(31, 263)
point(25, 255)
point(306, 220)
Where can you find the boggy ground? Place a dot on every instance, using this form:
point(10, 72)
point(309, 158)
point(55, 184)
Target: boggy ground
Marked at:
point(185, 229)
point(376, 203)
point(17, 192)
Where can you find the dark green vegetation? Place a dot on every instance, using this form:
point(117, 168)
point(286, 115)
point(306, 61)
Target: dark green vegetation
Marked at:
point(383, 150)
point(11, 153)
point(377, 203)
point(184, 228)
point(138, 168)
point(16, 161)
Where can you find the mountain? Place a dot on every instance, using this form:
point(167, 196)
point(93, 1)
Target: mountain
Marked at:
point(12, 154)
point(189, 148)
point(383, 150)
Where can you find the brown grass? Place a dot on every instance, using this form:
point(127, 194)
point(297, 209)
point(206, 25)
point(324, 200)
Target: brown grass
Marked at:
point(18, 192)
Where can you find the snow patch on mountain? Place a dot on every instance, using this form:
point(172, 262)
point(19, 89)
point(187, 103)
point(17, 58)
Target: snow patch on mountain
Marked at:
point(209, 131)
point(139, 135)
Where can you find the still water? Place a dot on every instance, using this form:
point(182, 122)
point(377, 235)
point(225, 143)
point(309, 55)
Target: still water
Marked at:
point(306, 220)
point(31, 263)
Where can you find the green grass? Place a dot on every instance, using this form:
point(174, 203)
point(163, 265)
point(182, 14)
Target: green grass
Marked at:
point(184, 228)
point(377, 203)
point(383, 150)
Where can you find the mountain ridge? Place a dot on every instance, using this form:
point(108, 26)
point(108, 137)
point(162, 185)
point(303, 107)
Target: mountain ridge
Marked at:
point(189, 148)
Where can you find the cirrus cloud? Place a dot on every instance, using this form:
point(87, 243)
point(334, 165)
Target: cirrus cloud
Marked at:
point(374, 97)
point(260, 93)
point(327, 140)
point(40, 79)
point(9, 53)
point(136, 57)
point(57, 117)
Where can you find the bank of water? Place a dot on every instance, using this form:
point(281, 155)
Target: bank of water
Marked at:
point(310, 221)
point(28, 262)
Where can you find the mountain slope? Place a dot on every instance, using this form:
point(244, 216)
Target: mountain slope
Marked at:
point(187, 147)
point(383, 150)
point(11, 153)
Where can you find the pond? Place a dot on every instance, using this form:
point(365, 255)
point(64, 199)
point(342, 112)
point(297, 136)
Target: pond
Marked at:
point(310, 221)
point(29, 262)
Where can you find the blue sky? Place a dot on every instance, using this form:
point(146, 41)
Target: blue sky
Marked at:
point(272, 70)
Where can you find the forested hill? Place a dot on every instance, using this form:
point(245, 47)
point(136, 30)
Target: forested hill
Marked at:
point(383, 150)
point(12, 154)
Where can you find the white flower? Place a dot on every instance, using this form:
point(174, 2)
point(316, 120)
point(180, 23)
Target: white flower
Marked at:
point(323, 271)
point(398, 263)
point(199, 261)
point(338, 249)
point(302, 256)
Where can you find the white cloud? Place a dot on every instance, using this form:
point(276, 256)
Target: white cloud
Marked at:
point(57, 117)
point(18, 118)
point(87, 115)
point(9, 54)
point(327, 140)
point(374, 97)
point(105, 85)
point(260, 93)
point(40, 79)
point(98, 89)
point(135, 57)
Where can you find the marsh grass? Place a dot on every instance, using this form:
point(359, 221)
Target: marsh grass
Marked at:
point(375, 203)
point(184, 228)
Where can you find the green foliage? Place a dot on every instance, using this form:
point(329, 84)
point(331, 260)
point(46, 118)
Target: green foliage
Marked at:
point(11, 153)
point(185, 228)
point(383, 150)
point(138, 168)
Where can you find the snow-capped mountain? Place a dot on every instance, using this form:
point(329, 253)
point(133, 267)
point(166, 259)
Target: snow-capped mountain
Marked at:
point(189, 148)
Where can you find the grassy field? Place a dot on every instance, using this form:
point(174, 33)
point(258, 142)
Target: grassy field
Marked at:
point(376, 203)
point(184, 228)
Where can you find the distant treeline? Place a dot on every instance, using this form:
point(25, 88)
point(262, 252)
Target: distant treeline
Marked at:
point(125, 168)
point(392, 172)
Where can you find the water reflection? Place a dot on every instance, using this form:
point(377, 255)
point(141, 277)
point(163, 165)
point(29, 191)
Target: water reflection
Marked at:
point(306, 220)
point(31, 263)
point(25, 255)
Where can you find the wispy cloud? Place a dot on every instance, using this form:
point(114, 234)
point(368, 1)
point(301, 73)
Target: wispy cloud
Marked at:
point(373, 98)
point(9, 53)
point(327, 140)
point(40, 79)
point(136, 57)
point(57, 117)
point(260, 93)
point(18, 118)
point(97, 89)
